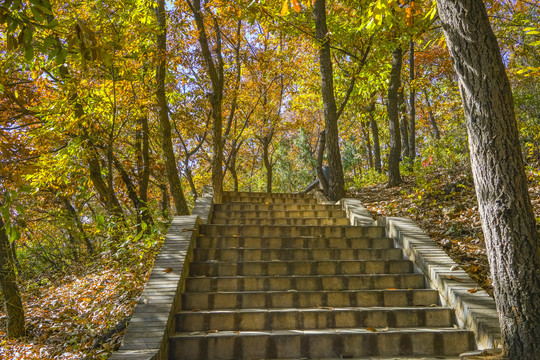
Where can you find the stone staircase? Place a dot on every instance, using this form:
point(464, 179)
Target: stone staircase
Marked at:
point(281, 277)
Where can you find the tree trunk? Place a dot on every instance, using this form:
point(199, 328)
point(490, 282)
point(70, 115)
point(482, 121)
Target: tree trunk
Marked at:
point(320, 158)
point(107, 197)
point(433, 123)
point(165, 126)
point(131, 190)
point(232, 168)
point(403, 125)
point(336, 184)
point(265, 142)
point(412, 105)
point(394, 177)
point(501, 185)
point(367, 142)
point(77, 220)
point(165, 200)
point(8, 284)
point(144, 174)
point(215, 72)
point(375, 134)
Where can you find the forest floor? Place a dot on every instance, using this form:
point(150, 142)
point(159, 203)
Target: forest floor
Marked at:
point(80, 313)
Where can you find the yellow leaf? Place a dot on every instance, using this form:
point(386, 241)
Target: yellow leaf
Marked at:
point(296, 5)
point(371, 329)
point(285, 8)
point(472, 291)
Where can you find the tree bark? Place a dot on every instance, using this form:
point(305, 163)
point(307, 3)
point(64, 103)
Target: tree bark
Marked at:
point(403, 125)
point(232, 168)
point(107, 197)
point(265, 143)
point(433, 123)
point(8, 284)
point(77, 220)
point(367, 142)
point(144, 174)
point(412, 104)
point(215, 72)
point(165, 126)
point(506, 212)
point(394, 177)
point(165, 200)
point(320, 158)
point(336, 184)
point(375, 134)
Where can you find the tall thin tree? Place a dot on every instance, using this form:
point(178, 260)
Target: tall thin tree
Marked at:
point(163, 113)
point(336, 183)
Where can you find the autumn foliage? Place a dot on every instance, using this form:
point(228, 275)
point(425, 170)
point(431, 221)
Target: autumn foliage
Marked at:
point(84, 192)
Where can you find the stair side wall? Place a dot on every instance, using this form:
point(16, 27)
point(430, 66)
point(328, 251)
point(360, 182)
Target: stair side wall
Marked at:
point(474, 310)
point(152, 322)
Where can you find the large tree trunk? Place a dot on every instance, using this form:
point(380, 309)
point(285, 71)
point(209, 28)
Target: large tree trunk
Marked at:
point(320, 158)
point(165, 126)
point(403, 125)
point(375, 134)
point(394, 177)
point(8, 284)
point(215, 72)
point(433, 123)
point(336, 185)
point(412, 104)
point(505, 209)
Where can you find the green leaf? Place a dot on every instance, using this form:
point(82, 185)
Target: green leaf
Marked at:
point(37, 15)
point(29, 52)
point(61, 57)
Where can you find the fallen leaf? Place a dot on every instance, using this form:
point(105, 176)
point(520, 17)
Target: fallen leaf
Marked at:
point(213, 331)
point(371, 329)
point(452, 277)
point(167, 270)
point(188, 229)
point(472, 291)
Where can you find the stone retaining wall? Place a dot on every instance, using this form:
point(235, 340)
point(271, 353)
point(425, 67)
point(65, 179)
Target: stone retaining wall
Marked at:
point(147, 335)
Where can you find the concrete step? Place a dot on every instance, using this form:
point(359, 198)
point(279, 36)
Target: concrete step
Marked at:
point(284, 268)
point(323, 343)
point(308, 319)
point(292, 231)
point(282, 254)
point(265, 194)
point(305, 282)
point(273, 214)
point(269, 200)
point(283, 221)
point(306, 299)
point(305, 242)
point(239, 206)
